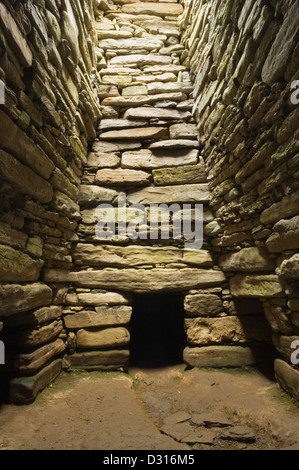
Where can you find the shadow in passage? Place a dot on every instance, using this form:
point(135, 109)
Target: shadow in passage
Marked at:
point(259, 334)
point(157, 330)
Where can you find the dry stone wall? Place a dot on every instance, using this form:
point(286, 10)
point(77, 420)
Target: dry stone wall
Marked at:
point(147, 150)
point(243, 59)
point(47, 66)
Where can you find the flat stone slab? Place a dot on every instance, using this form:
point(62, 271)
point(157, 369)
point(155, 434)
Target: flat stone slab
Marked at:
point(198, 305)
point(25, 389)
point(260, 285)
point(107, 338)
point(108, 147)
point(141, 60)
point(175, 144)
point(94, 195)
point(100, 360)
point(30, 363)
point(109, 255)
point(35, 317)
point(219, 356)
point(114, 124)
point(16, 266)
point(130, 101)
point(30, 338)
point(146, 159)
point(183, 131)
point(156, 113)
point(150, 8)
point(239, 434)
point(139, 134)
point(140, 280)
point(103, 316)
point(122, 177)
point(97, 298)
point(170, 87)
point(134, 90)
point(103, 160)
point(130, 44)
point(185, 174)
point(16, 298)
point(171, 194)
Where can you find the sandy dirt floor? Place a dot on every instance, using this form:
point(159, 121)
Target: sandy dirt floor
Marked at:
point(155, 409)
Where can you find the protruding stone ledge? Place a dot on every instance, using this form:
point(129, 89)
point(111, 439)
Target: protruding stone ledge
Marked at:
point(139, 280)
point(146, 159)
point(25, 389)
point(16, 298)
point(97, 298)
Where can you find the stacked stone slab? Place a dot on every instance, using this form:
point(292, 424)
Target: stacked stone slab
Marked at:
point(243, 59)
point(146, 149)
point(47, 55)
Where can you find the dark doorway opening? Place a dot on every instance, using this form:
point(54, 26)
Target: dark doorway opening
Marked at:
point(157, 330)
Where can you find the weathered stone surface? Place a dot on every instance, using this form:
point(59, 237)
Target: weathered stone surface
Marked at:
point(95, 298)
point(109, 124)
point(121, 177)
point(94, 195)
point(30, 338)
point(107, 338)
point(108, 147)
point(171, 194)
point(30, 363)
point(9, 236)
point(103, 160)
point(35, 317)
point(17, 298)
point(175, 144)
point(17, 40)
point(103, 316)
point(16, 142)
point(287, 377)
point(248, 259)
point(155, 113)
point(164, 77)
point(149, 8)
point(282, 47)
point(139, 134)
point(186, 174)
point(134, 90)
point(146, 159)
point(108, 255)
point(16, 266)
point(141, 60)
point(140, 280)
point(100, 360)
point(278, 320)
point(24, 179)
point(219, 356)
point(203, 331)
point(131, 101)
point(170, 87)
point(25, 389)
point(130, 44)
point(287, 207)
point(183, 131)
point(202, 305)
point(285, 236)
point(256, 286)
